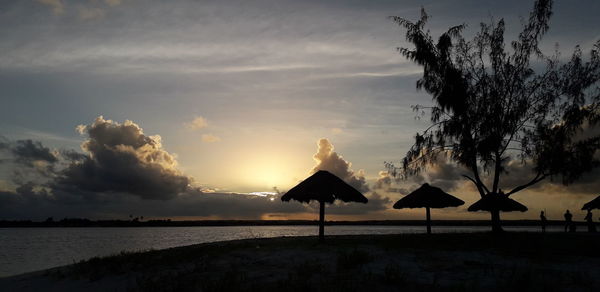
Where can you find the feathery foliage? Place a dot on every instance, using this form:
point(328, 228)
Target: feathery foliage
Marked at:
point(494, 104)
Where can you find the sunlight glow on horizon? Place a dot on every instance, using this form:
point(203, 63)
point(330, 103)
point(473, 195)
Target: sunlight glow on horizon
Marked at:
point(267, 171)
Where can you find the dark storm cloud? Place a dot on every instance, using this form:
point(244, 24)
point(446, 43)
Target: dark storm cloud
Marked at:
point(72, 155)
point(225, 205)
point(27, 152)
point(27, 160)
point(377, 202)
point(444, 174)
point(25, 203)
point(118, 158)
point(122, 159)
point(518, 174)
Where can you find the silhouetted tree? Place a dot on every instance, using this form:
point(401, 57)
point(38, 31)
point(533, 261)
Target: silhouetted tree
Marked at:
point(493, 104)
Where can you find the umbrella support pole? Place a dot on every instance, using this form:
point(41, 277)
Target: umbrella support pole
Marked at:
point(321, 221)
point(428, 212)
point(496, 227)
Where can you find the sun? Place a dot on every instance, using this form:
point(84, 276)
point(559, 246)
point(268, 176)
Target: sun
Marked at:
point(269, 175)
point(264, 171)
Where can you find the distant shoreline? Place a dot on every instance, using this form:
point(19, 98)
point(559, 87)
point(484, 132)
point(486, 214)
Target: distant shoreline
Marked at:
point(77, 222)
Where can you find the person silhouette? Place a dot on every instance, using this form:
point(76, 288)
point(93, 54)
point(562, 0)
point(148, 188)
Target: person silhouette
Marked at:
point(568, 220)
point(543, 221)
point(590, 221)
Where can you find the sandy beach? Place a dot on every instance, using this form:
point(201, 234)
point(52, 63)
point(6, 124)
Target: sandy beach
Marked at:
point(414, 262)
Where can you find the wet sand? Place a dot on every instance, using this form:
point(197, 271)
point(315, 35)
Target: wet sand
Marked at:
point(409, 262)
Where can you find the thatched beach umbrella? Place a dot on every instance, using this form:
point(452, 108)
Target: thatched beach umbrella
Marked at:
point(494, 203)
point(497, 202)
point(428, 197)
point(593, 204)
point(323, 187)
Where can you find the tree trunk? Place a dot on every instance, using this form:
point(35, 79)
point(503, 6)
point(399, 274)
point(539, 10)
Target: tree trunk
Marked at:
point(496, 227)
point(428, 221)
point(322, 221)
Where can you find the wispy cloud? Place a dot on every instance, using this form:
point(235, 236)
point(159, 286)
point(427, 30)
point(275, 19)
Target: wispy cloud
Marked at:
point(89, 13)
point(197, 123)
point(210, 138)
point(58, 7)
point(87, 10)
point(112, 2)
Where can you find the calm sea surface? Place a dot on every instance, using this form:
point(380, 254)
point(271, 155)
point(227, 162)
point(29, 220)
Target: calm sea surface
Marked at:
point(31, 249)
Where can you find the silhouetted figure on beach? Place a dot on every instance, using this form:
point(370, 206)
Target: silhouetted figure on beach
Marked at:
point(543, 221)
point(568, 220)
point(590, 221)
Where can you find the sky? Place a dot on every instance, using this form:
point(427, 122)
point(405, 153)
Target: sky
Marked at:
point(208, 109)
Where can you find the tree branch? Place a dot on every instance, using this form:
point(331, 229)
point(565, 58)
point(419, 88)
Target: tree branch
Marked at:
point(539, 177)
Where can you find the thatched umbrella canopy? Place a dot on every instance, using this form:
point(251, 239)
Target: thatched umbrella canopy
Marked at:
point(497, 202)
point(323, 187)
point(593, 204)
point(428, 197)
point(494, 203)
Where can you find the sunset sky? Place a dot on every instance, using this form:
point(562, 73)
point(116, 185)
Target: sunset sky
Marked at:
point(230, 98)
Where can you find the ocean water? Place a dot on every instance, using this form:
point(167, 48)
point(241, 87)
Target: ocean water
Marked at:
point(30, 249)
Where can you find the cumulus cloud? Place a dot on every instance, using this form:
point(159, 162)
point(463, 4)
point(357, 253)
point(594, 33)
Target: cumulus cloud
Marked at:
point(210, 138)
point(197, 123)
point(58, 7)
point(121, 158)
point(329, 160)
point(384, 183)
point(120, 171)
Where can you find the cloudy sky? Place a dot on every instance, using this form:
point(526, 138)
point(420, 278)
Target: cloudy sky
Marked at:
point(180, 109)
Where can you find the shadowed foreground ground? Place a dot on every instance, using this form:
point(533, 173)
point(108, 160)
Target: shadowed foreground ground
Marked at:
point(456, 262)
